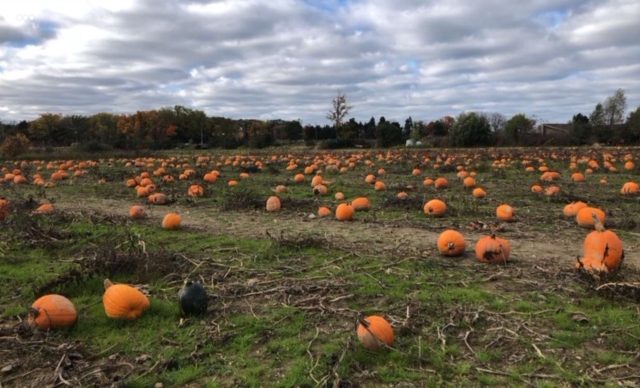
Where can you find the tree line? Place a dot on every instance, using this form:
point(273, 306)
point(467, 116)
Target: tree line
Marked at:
point(179, 126)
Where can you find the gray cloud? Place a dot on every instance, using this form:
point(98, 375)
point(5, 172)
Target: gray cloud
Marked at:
point(286, 59)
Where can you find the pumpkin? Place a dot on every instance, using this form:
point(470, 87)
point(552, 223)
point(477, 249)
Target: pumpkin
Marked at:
point(273, 204)
point(536, 188)
point(344, 212)
point(451, 243)
point(324, 211)
point(441, 183)
point(584, 217)
point(492, 249)
point(320, 190)
point(571, 209)
point(402, 196)
point(298, 178)
point(122, 301)
point(370, 178)
point(195, 191)
point(479, 193)
point(339, 196)
point(51, 312)
point(317, 180)
point(435, 207)
point(379, 186)
point(280, 189)
point(157, 199)
point(45, 208)
point(577, 177)
point(171, 221)
point(361, 203)
point(427, 182)
point(232, 183)
point(136, 212)
point(4, 208)
point(505, 212)
point(469, 182)
point(629, 165)
point(630, 188)
point(374, 332)
point(602, 251)
point(193, 299)
point(416, 172)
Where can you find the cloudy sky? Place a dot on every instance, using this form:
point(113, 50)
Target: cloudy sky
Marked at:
point(287, 59)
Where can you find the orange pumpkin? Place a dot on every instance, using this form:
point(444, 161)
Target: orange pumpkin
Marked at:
point(370, 178)
point(344, 212)
point(339, 196)
point(379, 186)
point(122, 301)
point(602, 250)
point(361, 204)
point(571, 209)
point(492, 249)
point(136, 212)
point(451, 243)
point(469, 182)
point(630, 188)
point(4, 208)
point(273, 204)
point(374, 332)
point(402, 196)
point(324, 211)
point(505, 213)
point(577, 177)
point(320, 190)
point(171, 221)
point(298, 178)
point(52, 311)
point(584, 217)
point(435, 207)
point(441, 183)
point(45, 208)
point(479, 193)
point(195, 191)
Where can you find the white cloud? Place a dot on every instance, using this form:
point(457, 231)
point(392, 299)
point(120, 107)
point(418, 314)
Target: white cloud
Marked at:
point(286, 59)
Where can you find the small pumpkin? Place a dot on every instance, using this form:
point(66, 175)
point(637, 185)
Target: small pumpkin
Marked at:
point(45, 208)
point(572, 209)
point(320, 190)
point(273, 204)
point(137, 212)
point(171, 221)
point(324, 211)
point(492, 249)
point(379, 186)
point(195, 191)
point(193, 299)
point(630, 188)
point(441, 183)
point(451, 243)
point(339, 196)
point(344, 212)
point(505, 213)
point(479, 193)
point(122, 301)
point(374, 332)
point(469, 182)
point(402, 196)
point(370, 178)
point(51, 312)
point(435, 207)
point(361, 203)
point(602, 250)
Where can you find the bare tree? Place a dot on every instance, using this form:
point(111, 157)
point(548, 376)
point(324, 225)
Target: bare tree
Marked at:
point(614, 107)
point(339, 109)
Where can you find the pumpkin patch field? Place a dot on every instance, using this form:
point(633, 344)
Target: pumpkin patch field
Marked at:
point(293, 267)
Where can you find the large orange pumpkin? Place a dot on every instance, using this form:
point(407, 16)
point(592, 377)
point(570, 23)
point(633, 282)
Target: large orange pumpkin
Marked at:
point(374, 332)
point(122, 301)
point(492, 249)
point(602, 250)
point(451, 243)
point(52, 311)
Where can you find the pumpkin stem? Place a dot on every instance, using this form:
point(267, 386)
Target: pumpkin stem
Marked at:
point(451, 246)
point(107, 283)
point(33, 312)
point(596, 223)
